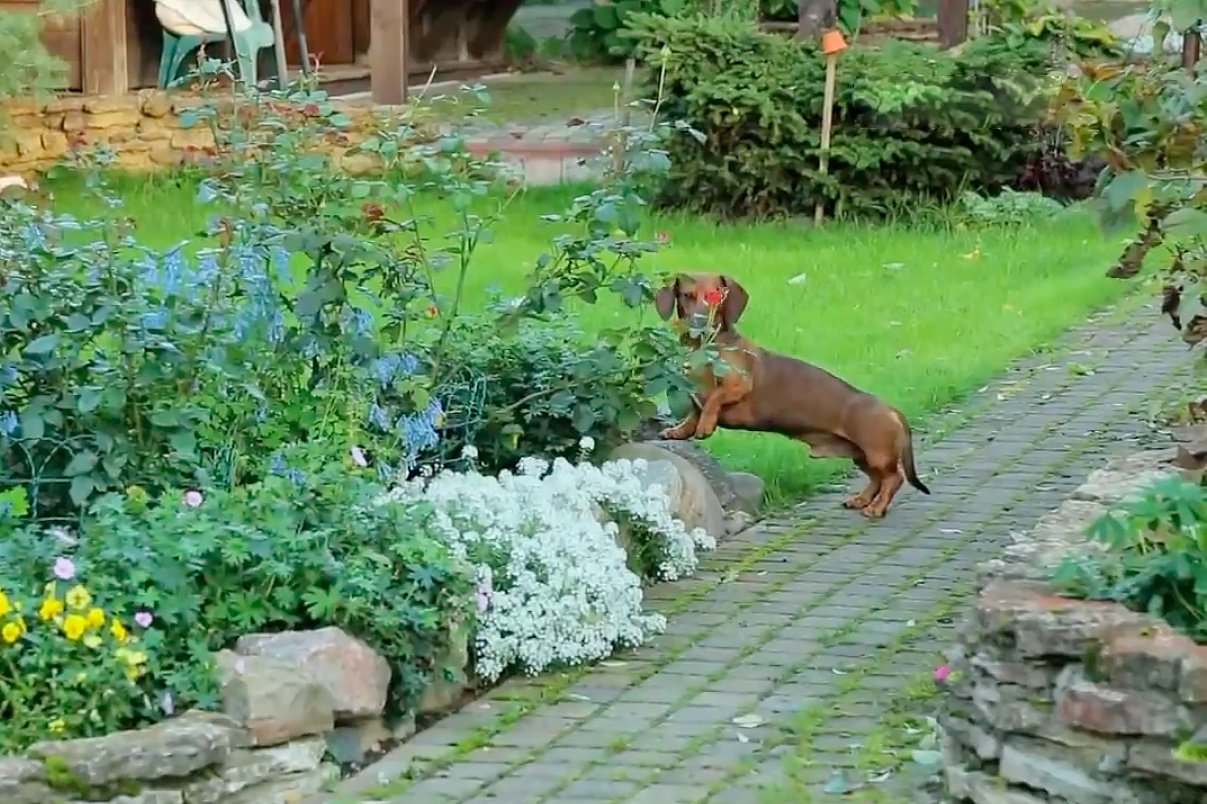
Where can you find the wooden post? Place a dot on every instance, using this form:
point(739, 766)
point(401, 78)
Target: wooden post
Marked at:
point(953, 22)
point(388, 51)
point(1192, 48)
point(103, 57)
point(832, 43)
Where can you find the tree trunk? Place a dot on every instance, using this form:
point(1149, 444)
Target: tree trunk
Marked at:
point(815, 17)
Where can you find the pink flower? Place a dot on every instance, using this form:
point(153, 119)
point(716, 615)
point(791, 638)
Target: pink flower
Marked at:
point(144, 619)
point(64, 568)
point(193, 498)
point(942, 672)
point(358, 457)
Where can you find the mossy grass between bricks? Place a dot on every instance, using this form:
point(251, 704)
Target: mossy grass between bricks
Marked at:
point(919, 314)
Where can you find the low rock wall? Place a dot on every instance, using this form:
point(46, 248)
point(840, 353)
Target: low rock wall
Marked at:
point(1051, 699)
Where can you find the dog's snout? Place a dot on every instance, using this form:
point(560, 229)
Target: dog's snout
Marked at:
point(698, 321)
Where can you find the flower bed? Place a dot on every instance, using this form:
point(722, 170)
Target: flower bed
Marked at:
point(1051, 698)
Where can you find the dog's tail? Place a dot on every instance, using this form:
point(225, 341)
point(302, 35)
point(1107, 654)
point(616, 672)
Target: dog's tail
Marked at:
point(907, 456)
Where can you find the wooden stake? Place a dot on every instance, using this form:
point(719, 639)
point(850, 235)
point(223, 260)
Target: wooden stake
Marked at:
point(827, 125)
point(278, 45)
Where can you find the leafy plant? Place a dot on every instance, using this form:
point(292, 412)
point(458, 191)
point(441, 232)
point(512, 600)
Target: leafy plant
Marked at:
point(31, 68)
point(1147, 122)
point(307, 546)
point(68, 667)
point(850, 13)
point(1009, 208)
point(597, 32)
point(1153, 556)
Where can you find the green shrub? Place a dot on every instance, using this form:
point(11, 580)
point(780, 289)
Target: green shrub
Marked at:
point(910, 123)
point(550, 383)
point(1153, 557)
point(305, 547)
point(1009, 208)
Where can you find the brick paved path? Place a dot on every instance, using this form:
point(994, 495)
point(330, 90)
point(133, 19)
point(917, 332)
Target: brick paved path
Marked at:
point(817, 631)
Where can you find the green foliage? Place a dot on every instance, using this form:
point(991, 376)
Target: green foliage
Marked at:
point(1019, 21)
point(597, 32)
point(1147, 121)
point(68, 667)
point(851, 13)
point(1009, 208)
point(553, 383)
point(28, 67)
point(1153, 557)
point(909, 123)
point(307, 546)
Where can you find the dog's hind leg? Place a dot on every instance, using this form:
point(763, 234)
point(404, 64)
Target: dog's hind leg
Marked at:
point(891, 479)
point(864, 498)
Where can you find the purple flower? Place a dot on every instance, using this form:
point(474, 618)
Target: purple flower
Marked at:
point(240, 666)
point(144, 619)
point(64, 568)
point(358, 457)
point(193, 498)
point(167, 703)
point(942, 672)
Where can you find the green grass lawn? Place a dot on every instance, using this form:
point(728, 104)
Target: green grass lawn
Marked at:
point(918, 315)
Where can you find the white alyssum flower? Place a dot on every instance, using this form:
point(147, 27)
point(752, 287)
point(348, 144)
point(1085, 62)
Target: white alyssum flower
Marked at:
point(553, 584)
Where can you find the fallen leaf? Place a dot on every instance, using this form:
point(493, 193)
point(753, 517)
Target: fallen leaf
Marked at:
point(799, 279)
point(742, 738)
point(748, 721)
point(926, 758)
point(839, 783)
point(614, 663)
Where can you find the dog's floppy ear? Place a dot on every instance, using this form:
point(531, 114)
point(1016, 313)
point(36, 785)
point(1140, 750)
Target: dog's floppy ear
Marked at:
point(664, 300)
point(736, 298)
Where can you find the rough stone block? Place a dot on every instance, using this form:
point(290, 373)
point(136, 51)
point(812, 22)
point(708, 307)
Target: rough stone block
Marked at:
point(23, 781)
point(276, 701)
point(1025, 764)
point(1043, 624)
point(1101, 709)
point(173, 748)
point(1192, 675)
point(246, 768)
point(1146, 661)
point(1157, 757)
point(357, 678)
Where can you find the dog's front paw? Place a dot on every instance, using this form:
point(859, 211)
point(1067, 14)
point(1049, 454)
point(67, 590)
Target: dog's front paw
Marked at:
point(705, 430)
point(675, 434)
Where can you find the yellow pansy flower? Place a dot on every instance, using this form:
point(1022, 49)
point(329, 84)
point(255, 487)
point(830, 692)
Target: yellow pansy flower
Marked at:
point(57, 725)
point(96, 618)
point(81, 677)
point(51, 608)
point(134, 672)
point(78, 597)
point(11, 632)
point(92, 641)
point(74, 626)
point(119, 631)
point(5, 606)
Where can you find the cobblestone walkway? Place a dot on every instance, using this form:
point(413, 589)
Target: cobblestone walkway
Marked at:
point(800, 646)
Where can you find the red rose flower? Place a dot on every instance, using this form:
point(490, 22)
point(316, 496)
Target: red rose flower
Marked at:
point(372, 211)
point(662, 237)
point(714, 297)
point(311, 110)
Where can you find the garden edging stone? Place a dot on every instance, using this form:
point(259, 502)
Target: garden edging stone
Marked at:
point(695, 501)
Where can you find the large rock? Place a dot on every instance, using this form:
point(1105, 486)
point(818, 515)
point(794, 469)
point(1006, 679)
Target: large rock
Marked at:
point(23, 781)
point(173, 748)
point(245, 768)
point(694, 501)
point(749, 489)
point(710, 467)
point(274, 700)
point(357, 678)
point(291, 789)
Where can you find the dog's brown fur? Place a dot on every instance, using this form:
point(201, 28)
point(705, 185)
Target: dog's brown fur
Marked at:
point(766, 392)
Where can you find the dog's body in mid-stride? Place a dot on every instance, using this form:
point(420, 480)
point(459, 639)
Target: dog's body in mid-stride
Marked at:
point(766, 392)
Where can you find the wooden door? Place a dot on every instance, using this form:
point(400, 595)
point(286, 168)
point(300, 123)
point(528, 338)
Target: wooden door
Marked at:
point(329, 31)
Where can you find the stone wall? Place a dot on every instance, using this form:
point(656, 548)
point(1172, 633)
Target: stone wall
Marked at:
point(289, 701)
point(1051, 699)
point(143, 129)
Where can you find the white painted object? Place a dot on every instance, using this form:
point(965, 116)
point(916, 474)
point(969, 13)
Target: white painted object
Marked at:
point(196, 17)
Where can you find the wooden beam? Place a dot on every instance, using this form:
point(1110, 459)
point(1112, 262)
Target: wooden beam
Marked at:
point(953, 22)
point(1192, 48)
point(103, 56)
point(388, 46)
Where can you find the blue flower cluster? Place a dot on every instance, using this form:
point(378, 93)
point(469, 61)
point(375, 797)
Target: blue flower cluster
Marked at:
point(8, 423)
point(388, 368)
point(418, 431)
point(281, 469)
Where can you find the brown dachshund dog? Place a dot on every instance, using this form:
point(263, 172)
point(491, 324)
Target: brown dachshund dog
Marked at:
point(761, 391)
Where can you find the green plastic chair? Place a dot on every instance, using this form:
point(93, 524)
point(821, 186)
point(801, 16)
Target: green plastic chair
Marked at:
point(248, 45)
